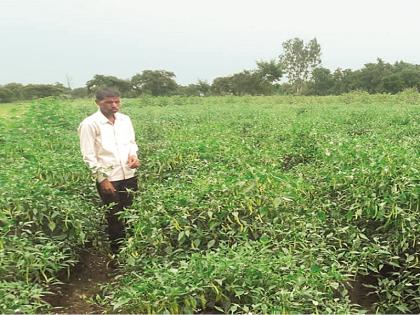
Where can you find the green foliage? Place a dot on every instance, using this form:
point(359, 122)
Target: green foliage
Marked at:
point(6, 95)
point(379, 77)
point(255, 277)
point(244, 83)
point(15, 91)
point(154, 82)
point(246, 204)
point(271, 70)
point(322, 82)
point(99, 81)
point(261, 81)
point(201, 88)
point(79, 92)
point(222, 86)
point(21, 297)
point(299, 60)
point(34, 91)
point(46, 208)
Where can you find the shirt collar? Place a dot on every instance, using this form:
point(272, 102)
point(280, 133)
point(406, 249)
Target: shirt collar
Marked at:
point(103, 119)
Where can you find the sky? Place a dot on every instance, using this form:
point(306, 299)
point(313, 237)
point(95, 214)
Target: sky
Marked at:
point(69, 41)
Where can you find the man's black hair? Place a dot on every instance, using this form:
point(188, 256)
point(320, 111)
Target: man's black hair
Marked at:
point(105, 92)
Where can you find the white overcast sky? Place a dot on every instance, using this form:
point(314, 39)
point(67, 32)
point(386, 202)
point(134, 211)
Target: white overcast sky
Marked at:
point(45, 41)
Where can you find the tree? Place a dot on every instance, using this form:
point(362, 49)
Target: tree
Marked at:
point(250, 83)
point(371, 76)
point(345, 81)
point(16, 89)
point(408, 76)
point(299, 60)
point(154, 82)
point(271, 70)
point(247, 82)
point(322, 82)
point(6, 95)
point(222, 86)
point(33, 91)
point(99, 81)
point(80, 92)
point(201, 88)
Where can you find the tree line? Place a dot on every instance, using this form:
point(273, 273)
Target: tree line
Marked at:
point(297, 71)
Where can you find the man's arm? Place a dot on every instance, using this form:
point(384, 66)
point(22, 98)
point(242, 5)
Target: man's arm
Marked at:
point(87, 147)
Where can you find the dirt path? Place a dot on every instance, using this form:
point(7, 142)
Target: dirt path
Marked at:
point(84, 283)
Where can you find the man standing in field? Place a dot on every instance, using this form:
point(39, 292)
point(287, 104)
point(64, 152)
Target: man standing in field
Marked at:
point(108, 146)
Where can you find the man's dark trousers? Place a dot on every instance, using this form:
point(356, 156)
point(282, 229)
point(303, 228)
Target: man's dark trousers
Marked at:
point(123, 199)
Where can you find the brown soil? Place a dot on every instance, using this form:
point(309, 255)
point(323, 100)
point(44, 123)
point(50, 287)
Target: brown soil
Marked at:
point(75, 295)
point(362, 295)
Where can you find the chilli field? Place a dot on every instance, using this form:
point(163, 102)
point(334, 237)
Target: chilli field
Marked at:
point(246, 204)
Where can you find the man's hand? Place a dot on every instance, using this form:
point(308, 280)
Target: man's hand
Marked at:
point(133, 161)
point(107, 188)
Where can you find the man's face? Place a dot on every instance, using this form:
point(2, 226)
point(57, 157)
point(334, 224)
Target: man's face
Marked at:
point(109, 105)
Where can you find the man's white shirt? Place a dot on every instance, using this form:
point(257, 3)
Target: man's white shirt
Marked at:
point(105, 146)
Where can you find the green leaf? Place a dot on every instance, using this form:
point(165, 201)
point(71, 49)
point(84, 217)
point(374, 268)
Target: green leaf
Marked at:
point(52, 226)
point(410, 258)
point(315, 268)
point(277, 202)
point(211, 243)
point(181, 236)
point(120, 302)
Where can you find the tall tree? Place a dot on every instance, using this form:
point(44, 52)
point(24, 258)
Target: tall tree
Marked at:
point(154, 82)
point(99, 81)
point(322, 82)
point(345, 80)
point(371, 76)
point(299, 60)
point(271, 70)
point(222, 86)
point(250, 83)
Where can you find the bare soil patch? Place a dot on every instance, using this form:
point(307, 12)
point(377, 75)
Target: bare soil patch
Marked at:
point(77, 292)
